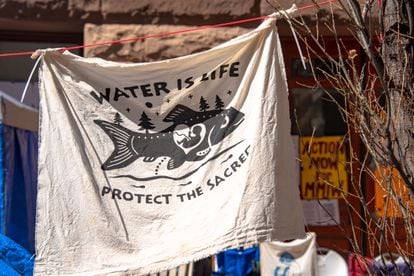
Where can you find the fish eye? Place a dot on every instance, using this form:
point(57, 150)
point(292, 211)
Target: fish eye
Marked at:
point(226, 121)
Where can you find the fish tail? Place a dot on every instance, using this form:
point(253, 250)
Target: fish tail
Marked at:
point(123, 154)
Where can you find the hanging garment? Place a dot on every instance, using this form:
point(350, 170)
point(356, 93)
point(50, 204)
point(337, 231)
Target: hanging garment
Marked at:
point(147, 166)
point(20, 177)
point(359, 266)
point(294, 258)
point(238, 262)
point(383, 265)
point(14, 259)
point(18, 171)
point(331, 262)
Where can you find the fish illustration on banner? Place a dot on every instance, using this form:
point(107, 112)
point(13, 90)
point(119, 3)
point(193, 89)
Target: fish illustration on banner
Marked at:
point(144, 167)
point(202, 131)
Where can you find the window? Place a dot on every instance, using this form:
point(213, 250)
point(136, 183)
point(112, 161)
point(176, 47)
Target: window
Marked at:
point(315, 111)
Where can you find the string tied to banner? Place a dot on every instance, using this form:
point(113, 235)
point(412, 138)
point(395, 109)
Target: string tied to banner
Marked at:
point(39, 52)
point(38, 56)
point(238, 22)
point(284, 13)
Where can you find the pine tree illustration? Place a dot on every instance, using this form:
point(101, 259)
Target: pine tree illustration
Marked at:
point(203, 104)
point(219, 103)
point(145, 122)
point(117, 119)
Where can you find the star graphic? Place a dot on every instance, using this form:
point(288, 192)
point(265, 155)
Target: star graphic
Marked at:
point(229, 92)
point(190, 96)
point(128, 109)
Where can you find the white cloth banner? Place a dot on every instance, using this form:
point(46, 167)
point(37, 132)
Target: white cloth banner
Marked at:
point(147, 166)
point(295, 258)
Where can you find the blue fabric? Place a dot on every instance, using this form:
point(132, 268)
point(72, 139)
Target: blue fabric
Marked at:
point(20, 185)
point(237, 262)
point(2, 219)
point(389, 269)
point(14, 259)
point(6, 269)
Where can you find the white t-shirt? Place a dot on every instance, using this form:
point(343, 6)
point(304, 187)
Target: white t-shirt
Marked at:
point(297, 257)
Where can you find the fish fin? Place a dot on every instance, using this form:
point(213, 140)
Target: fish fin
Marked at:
point(123, 154)
point(179, 114)
point(175, 162)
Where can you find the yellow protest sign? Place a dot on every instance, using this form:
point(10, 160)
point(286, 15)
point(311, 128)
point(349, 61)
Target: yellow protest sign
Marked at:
point(323, 167)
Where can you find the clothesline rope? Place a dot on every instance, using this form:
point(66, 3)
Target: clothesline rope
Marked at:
point(237, 22)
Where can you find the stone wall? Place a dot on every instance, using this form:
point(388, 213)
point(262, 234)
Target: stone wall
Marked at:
point(105, 20)
point(178, 12)
point(152, 49)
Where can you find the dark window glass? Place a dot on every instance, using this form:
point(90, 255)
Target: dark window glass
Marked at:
point(319, 66)
point(316, 112)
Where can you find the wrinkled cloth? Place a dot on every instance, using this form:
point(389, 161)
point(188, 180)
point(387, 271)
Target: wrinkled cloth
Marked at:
point(143, 167)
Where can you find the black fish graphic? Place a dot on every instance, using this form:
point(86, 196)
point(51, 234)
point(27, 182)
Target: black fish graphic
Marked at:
point(202, 130)
point(218, 124)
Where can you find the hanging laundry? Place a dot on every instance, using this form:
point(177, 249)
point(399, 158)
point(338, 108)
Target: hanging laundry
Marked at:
point(238, 262)
point(297, 257)
point(147, 166)
point(18, 177)
point(14, 259)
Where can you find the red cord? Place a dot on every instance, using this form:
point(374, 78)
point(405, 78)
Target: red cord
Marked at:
point(16, 54)
point(166, 34)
